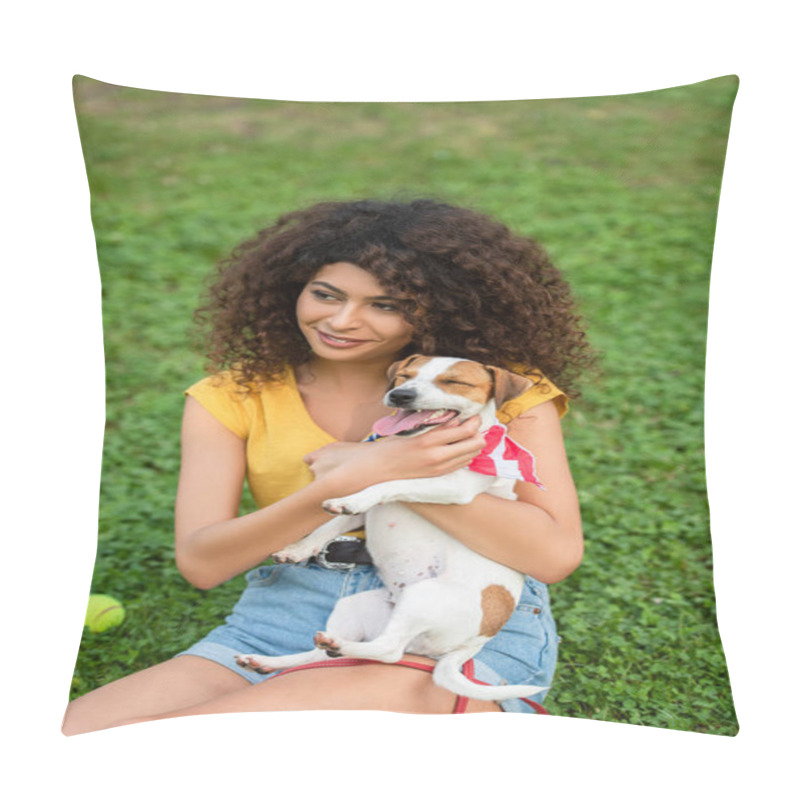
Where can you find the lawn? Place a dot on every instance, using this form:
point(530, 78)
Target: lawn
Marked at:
point(622, 191)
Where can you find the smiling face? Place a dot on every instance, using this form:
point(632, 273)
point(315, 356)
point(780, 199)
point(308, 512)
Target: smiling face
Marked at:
point(345, 314)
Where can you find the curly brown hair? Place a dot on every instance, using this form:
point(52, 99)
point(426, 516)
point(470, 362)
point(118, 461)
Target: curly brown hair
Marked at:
point(474, 289)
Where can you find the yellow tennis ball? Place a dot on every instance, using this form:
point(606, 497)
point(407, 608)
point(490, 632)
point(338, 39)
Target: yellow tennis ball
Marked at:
point(103, 612)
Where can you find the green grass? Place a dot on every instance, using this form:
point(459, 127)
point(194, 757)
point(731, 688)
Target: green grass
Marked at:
point(623, 193)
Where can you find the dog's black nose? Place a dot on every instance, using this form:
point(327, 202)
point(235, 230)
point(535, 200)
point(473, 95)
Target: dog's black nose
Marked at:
point(401, 397)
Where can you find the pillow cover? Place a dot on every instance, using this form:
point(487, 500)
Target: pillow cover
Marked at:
point(622, 191)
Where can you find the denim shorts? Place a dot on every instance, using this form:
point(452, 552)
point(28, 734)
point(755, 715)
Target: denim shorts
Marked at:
point(284, 605)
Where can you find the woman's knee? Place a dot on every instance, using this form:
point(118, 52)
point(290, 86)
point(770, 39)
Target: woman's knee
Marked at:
point(173, 684)
point(374, 687)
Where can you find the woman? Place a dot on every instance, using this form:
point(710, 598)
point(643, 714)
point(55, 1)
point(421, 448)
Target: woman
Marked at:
point(305, 320)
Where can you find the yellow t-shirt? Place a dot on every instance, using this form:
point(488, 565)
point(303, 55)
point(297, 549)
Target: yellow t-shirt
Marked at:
point(279, 431)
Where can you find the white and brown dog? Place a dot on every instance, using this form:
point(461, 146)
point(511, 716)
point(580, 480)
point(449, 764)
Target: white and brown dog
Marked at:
point(441, 599)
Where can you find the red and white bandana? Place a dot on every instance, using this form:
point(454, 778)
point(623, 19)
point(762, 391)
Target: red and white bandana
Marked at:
point(505, 458)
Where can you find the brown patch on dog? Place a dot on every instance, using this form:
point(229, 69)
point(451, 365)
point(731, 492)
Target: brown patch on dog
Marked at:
point(468, 379)
point(507, 385)
point(406, 369)
point(497, 604)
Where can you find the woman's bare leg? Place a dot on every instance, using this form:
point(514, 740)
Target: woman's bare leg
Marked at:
point(377, 687)
point(175, 684)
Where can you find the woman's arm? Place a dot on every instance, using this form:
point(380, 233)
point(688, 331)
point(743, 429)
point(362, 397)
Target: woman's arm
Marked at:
point(540, 534)
point(213, 544)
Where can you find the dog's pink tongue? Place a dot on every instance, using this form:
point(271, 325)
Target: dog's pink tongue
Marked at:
point(409, 420)
point(401, 421)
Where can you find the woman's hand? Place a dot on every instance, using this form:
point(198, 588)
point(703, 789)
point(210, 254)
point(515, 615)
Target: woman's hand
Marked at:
point(327, 458)
point(436, 452)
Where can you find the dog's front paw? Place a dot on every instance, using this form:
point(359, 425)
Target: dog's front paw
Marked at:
point(347, 505)
point(293, 553)
point(337, 506)
point(254, 663)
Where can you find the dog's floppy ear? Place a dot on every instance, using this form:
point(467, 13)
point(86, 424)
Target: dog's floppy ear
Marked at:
point(398, 365)
point(507, 385)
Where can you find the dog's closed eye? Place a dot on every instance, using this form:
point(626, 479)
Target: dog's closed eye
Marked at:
point(451, 382)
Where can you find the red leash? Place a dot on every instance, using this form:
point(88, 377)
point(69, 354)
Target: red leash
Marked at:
point(461, 702)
